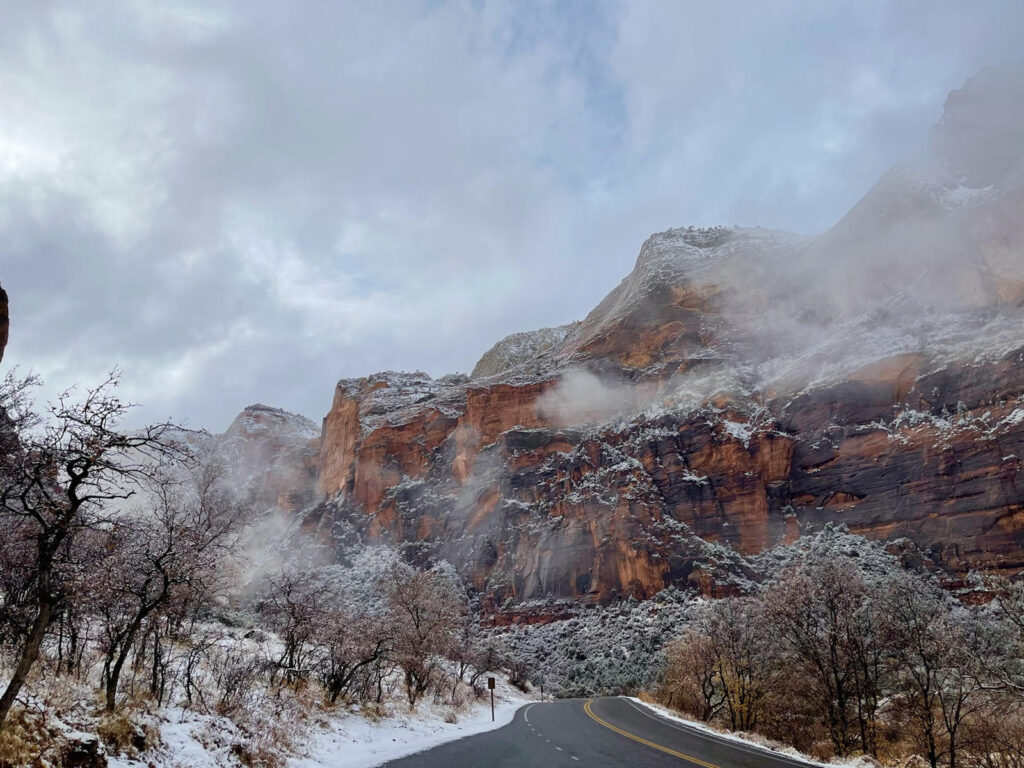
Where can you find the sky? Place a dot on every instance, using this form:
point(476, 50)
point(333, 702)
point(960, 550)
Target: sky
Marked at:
point(244, 202)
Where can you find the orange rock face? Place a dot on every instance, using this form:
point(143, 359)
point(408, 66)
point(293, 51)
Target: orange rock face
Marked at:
point(741, 387)
point(338, 444)
point(528, 509)
point(490, 411)
point(659, 489)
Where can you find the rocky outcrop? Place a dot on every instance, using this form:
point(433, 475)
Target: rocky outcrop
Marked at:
point(981, 131)
point(519, 348)
point(5, 322)
point(272, 458)
point(739, 388)
point(81, 751)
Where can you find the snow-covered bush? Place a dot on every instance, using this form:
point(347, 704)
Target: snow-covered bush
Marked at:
point(613, 649)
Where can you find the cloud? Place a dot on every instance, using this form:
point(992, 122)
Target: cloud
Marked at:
point(241, 202)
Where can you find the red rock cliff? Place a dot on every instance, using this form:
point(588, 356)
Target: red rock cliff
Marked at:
point(739, 388)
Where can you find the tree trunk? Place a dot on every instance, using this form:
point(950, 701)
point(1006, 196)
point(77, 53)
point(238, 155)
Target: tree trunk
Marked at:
point(29, 654)
point(158, 679)
point(72, 666)
point(113, 677)
point(115, 671)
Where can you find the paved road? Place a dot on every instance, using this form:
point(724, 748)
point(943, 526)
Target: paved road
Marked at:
point(595, 733)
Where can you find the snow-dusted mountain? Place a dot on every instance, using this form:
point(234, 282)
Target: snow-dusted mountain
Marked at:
point(269, 457)
point(519, 348)
point(740, 387)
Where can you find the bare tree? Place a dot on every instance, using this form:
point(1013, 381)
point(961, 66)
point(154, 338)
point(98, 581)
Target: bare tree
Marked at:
point(486, 656)
point(58, 476)
point(170, 553)
point(428, 608)
point(822, 613)
point(292, 604)
point(471, 652)
point(347, 643)
point(994, 738)
point(933, 643)
point(742, 660)
point(691, 683)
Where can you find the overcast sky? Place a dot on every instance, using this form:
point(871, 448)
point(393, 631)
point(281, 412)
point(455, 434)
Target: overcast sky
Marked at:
point(243, 202)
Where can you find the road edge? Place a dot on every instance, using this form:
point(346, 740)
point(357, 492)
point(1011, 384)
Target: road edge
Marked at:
point(788, 753)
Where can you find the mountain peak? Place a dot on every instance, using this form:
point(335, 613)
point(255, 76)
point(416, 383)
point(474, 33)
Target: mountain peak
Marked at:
point(981, 133)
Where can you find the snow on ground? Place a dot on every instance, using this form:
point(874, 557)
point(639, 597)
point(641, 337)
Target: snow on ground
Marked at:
point(186, 739)
point(749, 741)
point(355, 742)
point(345, 739)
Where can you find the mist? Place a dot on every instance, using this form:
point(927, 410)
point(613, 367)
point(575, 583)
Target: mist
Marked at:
point(582, 397)
point(925, 270)
point(930, 261)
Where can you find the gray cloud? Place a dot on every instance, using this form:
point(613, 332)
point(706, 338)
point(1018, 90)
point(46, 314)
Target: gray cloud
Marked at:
point(243, 202)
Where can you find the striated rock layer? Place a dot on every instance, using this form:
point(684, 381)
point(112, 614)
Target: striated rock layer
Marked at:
point(739, 388)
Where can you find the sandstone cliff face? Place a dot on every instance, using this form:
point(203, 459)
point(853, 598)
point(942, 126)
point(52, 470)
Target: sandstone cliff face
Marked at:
point(739, 388)
point(658, 500)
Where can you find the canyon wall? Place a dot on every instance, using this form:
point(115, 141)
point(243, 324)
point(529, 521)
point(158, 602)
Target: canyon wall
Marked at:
point(739, 388)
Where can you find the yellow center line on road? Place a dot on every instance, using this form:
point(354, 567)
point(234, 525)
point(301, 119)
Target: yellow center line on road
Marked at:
point(634, 737)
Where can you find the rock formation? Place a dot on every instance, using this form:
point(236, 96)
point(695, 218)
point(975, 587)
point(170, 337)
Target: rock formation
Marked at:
point(739, 388)
point(514, 350)
point(270, 455)
point(5, 322)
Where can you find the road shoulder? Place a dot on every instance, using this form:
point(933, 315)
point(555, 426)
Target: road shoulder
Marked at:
point(658, 712)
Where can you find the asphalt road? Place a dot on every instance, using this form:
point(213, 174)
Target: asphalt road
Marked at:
point(596, 733)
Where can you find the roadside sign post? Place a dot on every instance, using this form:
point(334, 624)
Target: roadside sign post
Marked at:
point(490, 685)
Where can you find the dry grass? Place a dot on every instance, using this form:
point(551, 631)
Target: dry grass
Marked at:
point(273, 725)
point(23, 741)
point(16, 750)
point(257, 756)
point(117, 731)
point(374, 712)
point(649, 698)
